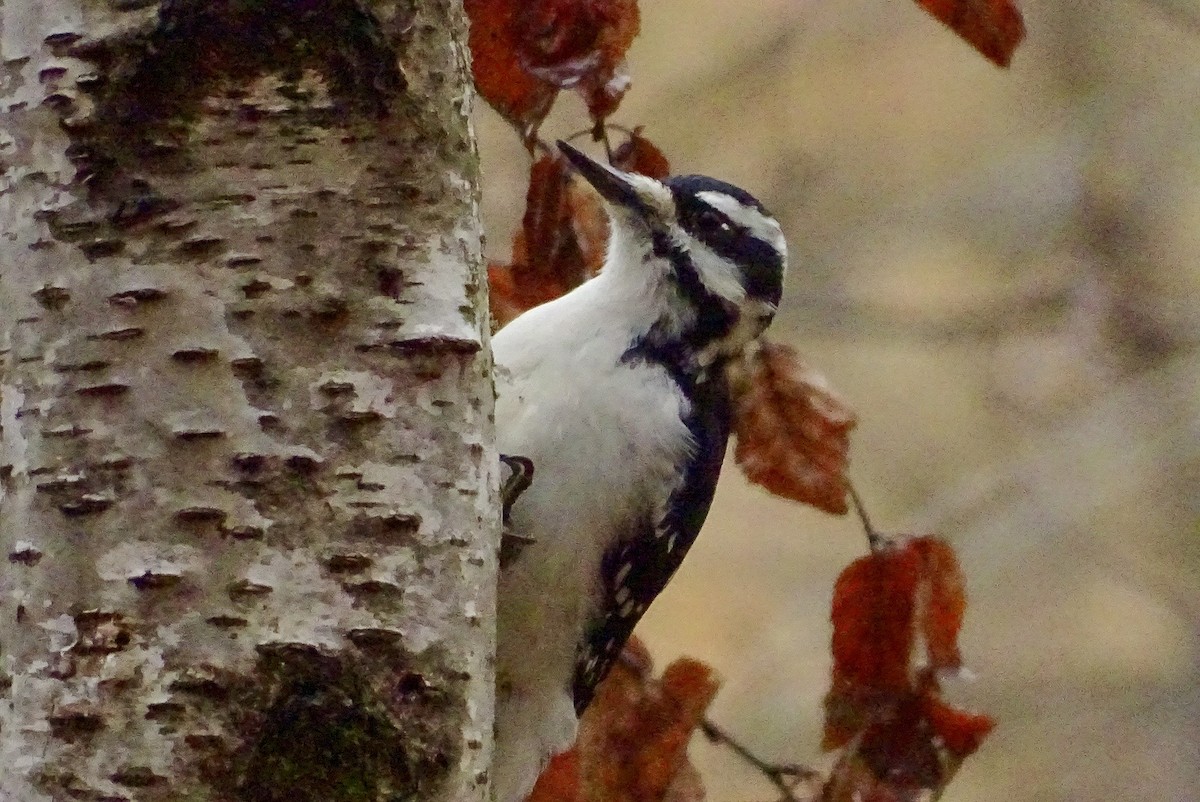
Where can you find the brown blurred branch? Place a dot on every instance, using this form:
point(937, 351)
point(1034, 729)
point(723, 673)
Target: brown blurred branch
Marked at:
point(1185, 17)
point(777, 773)
point(823, 314)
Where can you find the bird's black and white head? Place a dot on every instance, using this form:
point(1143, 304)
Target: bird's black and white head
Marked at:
point(713, 256)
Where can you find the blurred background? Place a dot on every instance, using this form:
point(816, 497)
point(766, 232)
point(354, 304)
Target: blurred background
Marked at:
point(1000, 270)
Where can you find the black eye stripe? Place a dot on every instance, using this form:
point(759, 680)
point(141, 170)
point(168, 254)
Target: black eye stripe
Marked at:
point(706, 223)
point(712, 222)
point(760, 262)
point(762, 269)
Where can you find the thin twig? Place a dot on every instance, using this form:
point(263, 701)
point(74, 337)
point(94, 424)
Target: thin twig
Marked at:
point(577, 134)
point(601, 133)
point(874, 539)
point(777, 773)
point(544, 146)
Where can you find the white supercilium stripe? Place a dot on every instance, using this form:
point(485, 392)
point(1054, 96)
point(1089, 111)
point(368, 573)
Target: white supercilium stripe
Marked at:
point(760, 226)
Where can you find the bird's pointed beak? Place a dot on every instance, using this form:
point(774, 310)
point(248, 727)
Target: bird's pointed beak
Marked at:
point(619, 188)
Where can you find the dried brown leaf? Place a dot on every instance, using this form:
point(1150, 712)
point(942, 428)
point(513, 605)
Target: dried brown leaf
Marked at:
point(633, 738)
point(792, 429)
point(561, 242)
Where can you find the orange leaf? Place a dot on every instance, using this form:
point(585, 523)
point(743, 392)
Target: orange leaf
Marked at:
point(639, 155)
point(519, 96)
point(689, 685)
point(792, 429)
point(993, 27)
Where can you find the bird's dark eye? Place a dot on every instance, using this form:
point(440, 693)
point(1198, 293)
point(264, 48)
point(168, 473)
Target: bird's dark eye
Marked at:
point(714, 222)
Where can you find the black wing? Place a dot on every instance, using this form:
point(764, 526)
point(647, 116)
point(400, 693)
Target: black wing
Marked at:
point(637, 570)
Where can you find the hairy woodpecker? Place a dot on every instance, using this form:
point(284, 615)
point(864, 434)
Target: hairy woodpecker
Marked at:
point(617, 395)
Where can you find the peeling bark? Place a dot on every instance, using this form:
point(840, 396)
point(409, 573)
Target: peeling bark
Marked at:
point(246, 470)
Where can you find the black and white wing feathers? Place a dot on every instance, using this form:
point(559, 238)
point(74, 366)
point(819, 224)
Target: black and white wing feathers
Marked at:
point(636, 570)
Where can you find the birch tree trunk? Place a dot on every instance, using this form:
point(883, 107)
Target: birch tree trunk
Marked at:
point(248, 507)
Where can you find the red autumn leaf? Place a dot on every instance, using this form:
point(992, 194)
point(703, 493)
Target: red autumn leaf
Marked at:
point(910, 748)
point(604, 87)
point(546, 246)
point(993, 27)
point(559, 782)
point(603, 92)
point(792, 429)
point(946, 602)
point(961, 732)
point(872, 613)
point(589, 226)
point(900, 749)
point(884, 704)
point(580, 44)
point(503, 297)
point(633, 738)
point(519, 96)
point(852, 780)
point(639, 155)
point(524, 51)
point(874, 601)
point(564, 41)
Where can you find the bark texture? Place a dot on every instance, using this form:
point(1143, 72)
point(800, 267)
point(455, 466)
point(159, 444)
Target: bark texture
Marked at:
point(248, 510)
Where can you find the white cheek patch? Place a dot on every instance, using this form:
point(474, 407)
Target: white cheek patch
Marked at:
point(759, 225)
point(719, 276)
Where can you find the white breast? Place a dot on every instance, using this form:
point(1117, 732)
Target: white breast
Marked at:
point(605, 439)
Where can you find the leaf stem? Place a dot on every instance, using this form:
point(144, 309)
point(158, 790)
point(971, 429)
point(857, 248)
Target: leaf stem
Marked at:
point(875, 540)
point(776, 773)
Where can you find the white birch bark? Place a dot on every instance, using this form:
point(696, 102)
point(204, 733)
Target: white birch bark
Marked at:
point(247, 510)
